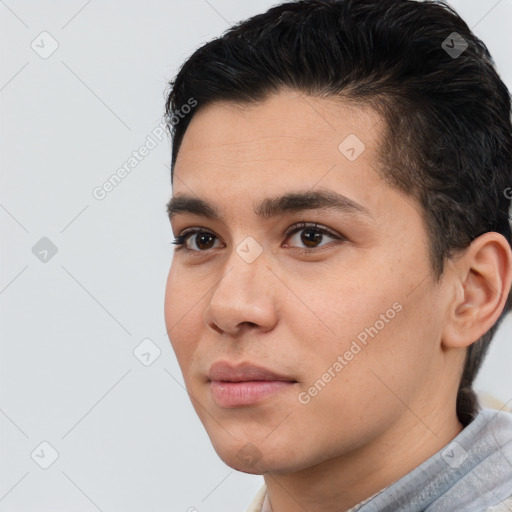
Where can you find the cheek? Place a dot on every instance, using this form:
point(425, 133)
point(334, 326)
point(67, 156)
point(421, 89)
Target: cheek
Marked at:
point(181, 309)
point(353, 385)
point(375, 324)
point(171, 304)
point(344, 306)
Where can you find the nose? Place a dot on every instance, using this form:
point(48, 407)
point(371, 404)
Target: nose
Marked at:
point(243, 297)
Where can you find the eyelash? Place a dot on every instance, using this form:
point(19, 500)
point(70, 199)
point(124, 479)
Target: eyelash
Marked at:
point(180, 240)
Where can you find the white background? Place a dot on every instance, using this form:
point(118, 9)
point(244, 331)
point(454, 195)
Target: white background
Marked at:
point(126, 434)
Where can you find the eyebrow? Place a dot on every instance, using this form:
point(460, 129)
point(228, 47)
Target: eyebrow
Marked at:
point(272, 206)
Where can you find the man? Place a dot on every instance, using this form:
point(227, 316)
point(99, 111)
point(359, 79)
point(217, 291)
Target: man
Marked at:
point(344, 254)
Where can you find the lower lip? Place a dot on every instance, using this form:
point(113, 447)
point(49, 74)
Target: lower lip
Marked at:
point(236, 394)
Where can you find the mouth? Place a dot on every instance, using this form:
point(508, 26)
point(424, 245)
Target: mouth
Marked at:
point(245, 384)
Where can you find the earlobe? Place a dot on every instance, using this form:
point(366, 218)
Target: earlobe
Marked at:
point(483, 277)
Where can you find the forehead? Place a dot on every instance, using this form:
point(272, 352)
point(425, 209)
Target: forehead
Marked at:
point(288, 125)
point(287, 139)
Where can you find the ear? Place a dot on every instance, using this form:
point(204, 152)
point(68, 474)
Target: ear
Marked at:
point(482, 279)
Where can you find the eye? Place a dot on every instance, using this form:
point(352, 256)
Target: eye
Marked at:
point(310, 235)
point(196, 239)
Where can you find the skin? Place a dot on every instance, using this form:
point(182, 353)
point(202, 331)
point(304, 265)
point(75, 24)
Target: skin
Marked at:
point(393, 405)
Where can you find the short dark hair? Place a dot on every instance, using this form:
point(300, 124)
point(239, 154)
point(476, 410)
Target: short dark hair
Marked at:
point(448, 140)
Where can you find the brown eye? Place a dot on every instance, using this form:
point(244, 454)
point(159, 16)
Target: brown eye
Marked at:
point(196, 240)
point(204, 240)
point(311, 236)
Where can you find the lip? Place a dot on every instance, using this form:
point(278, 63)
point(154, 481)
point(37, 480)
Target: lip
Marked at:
point(244, 384)
point(223, 371)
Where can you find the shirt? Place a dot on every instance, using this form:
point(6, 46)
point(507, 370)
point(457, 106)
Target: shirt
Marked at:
point(472, 473)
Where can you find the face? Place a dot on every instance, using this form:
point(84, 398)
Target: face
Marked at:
point(319, 308)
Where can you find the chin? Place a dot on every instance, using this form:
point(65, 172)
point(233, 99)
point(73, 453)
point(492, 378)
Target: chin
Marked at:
point(253, 467)
point(248, 458)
